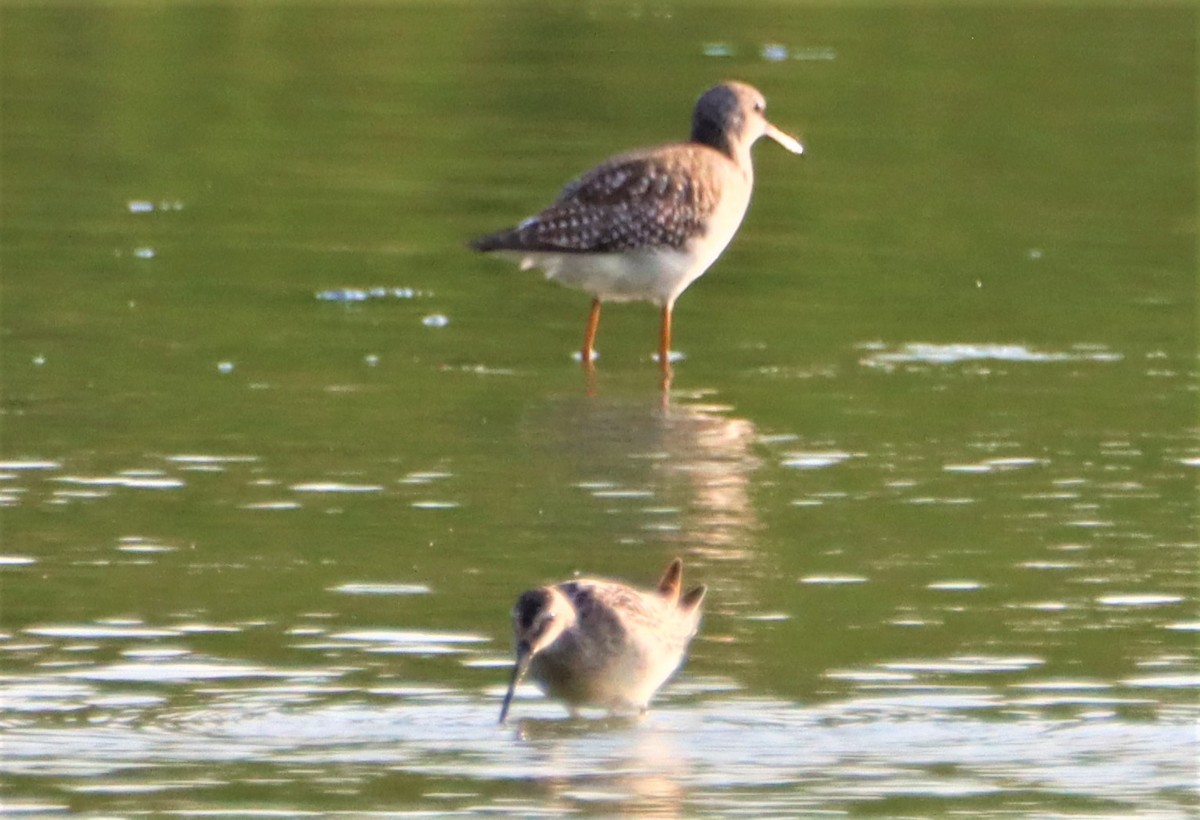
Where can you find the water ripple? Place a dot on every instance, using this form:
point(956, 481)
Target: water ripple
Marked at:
point(709, 756)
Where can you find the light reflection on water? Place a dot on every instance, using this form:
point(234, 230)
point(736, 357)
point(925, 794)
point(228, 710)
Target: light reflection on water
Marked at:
point(939, 729)
point(879, 355)
point(112, 708)
point(278, 454)
point(694, 753)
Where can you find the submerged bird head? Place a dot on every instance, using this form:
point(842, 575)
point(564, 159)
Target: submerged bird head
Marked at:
point(539, 617)
point(730, 117)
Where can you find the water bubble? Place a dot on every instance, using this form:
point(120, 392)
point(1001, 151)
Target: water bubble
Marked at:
point(363, 294)
point(435, 320)
point(833, 579)
point(335, 487)
point(774, 52)
point(815, 460)
point(342, 295)
point(145, 253)
point(434, 505)
point(145, 206)
point(374, 588)
point(955, 585)
point(225, 367)
point(1139, 599)
point(29, 464)
point(814, 54)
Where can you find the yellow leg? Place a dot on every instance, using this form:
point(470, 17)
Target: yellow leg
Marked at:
point(589, 335)
point(664, 337)
point(664, 354)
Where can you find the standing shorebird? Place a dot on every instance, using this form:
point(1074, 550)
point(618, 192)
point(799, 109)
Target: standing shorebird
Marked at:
point(593, 642)
point(643, 226)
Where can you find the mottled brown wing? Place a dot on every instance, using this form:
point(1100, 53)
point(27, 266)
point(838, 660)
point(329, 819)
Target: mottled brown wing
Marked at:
point(653, 199)
point(603, 608)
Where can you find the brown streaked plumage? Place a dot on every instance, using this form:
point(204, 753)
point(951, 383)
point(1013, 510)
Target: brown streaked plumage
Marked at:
point(594, 642)
point(645, 225)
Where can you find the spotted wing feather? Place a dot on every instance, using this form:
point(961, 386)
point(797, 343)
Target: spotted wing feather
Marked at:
point(652, 199)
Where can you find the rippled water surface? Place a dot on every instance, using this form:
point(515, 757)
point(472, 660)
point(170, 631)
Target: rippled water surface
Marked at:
point(278, 454)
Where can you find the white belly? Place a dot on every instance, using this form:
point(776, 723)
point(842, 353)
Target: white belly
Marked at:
point(656, 275)
point(646, 275)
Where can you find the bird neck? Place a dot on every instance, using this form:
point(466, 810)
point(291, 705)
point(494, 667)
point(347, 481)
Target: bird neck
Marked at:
point(717, 136)
point(718, 140)
point(706, 132)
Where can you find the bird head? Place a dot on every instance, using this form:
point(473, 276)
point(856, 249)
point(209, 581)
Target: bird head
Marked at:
point(732, 116)
point(539, 618)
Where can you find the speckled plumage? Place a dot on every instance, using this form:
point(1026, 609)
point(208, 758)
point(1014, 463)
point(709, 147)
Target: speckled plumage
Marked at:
point(645, 225)
point(594, 642)
point(648, 199)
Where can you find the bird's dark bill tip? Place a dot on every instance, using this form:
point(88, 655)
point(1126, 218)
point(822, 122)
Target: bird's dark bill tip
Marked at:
point(517, 673)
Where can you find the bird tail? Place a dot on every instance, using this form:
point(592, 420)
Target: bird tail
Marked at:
point(672, 579)
point(499, 241)
point(691, 600)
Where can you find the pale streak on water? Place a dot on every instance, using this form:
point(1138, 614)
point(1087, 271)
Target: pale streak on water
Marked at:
point(704, 749)
point(142, 714)
point(278, 455)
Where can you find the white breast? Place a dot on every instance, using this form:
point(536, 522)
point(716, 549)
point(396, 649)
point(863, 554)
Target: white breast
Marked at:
point(656, 275)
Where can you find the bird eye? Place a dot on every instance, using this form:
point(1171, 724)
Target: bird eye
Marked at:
point(760, 106)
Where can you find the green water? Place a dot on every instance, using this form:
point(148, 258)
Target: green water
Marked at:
point(931, 445)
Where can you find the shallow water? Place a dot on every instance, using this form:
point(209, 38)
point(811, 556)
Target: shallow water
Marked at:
point(278, 454)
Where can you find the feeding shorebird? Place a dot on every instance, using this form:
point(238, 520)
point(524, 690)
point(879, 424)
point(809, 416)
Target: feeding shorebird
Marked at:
point(592, 642)
point(643, 226)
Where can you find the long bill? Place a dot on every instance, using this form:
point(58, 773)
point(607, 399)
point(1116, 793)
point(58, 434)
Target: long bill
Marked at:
point(519, 669)
point(786, 140)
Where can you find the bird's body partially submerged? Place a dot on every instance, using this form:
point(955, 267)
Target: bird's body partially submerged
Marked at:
point(593, 642)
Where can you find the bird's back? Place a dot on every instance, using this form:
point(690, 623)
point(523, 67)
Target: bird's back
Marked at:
point(623, 646)
point(656, 198)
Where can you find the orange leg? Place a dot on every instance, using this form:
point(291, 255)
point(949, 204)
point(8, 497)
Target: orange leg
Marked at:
point(589, 336)
point(664, 354)
point(664, 338)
